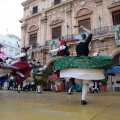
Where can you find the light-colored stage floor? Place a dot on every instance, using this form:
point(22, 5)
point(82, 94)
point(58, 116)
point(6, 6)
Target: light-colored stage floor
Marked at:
point(58, 106)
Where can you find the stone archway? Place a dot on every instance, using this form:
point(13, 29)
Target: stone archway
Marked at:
point(33, 27)
point(83, 12)
point(115, 55)
point(114, 52)
point(50, 61)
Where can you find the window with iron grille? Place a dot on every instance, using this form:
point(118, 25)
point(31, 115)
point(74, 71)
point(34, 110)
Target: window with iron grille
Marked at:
point(85, 23)
point(116, 17)
point(33, 40)
point(56, 32)
point(56, 2)
point(35, 9)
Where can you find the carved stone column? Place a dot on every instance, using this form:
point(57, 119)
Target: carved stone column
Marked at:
point(43, 35)
point(69, 20)
point(43, 30)
point(23, 33)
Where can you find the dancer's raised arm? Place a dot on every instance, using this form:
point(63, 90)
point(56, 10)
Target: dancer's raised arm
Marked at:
point(86, 30)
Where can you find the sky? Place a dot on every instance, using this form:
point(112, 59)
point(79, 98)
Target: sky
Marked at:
point(11, 11)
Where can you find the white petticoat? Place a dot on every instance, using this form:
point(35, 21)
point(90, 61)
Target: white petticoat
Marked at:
point(84, 74)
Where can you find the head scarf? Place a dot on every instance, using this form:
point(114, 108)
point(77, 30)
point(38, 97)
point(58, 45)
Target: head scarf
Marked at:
point(79, 38)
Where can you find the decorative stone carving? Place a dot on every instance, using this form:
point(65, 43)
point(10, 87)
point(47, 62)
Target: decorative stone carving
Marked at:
point(83, 11)
point(68, 11)
point(27, 2)
point(82, 3)
point(44, 19)
point(114, 4)
point(24, 25)
point(56, 21)
point(32, 28)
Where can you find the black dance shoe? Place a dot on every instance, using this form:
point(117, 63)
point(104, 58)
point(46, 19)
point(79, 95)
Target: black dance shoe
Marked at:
point(83, 102)
point(92, 91)
point(95, 90)
point(70, 93)
point(39, 92)
point(18, 91)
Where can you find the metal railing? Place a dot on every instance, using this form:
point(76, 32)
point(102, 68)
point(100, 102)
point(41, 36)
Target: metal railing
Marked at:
point(103, 31)
point(96, 32)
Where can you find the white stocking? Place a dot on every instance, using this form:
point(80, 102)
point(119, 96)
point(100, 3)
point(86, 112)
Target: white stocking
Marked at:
point(39, 88)
point(84, 89)
point(19, 87)
point(20, 74)
point(24, 83)
point(69, 91)
point(56, 87)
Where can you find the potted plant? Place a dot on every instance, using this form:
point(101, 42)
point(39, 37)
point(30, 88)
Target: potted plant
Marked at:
point(45, 74)
point(44, 85)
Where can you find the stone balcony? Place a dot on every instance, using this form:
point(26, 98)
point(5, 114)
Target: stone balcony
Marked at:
point(102, 31)
point(97, 33)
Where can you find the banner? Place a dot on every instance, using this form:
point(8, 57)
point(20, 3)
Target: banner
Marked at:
point(53, 45)
point(117, 34)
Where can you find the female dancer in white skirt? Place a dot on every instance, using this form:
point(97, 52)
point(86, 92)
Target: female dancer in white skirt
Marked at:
point(82, 67)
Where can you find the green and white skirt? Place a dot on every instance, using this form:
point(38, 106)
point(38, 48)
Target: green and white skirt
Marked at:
point(83, 67)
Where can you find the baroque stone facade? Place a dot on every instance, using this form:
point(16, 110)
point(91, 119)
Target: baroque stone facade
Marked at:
point(42, 16)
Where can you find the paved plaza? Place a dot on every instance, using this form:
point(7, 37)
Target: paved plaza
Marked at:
point(58, 106)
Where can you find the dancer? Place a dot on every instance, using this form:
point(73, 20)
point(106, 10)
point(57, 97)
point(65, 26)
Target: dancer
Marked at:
point(71, 86)
point(90, 86)
point(93, 86)
point(82, 49)
point(62, 50)
point(23, 70)
point(39, 84)
point(81, 66)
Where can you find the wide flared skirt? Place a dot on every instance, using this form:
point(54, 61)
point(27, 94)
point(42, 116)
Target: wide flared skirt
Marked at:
point(23, 67)
point(84, 74)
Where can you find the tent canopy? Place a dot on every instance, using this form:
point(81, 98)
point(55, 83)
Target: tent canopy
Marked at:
point(114, 70)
